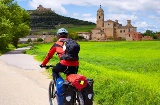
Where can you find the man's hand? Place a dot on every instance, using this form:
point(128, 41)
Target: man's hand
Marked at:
point(41, 65)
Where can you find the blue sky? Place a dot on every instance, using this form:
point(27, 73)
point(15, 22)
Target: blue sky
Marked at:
point(144, 14)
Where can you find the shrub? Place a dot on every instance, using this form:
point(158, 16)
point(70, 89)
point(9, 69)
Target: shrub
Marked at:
point(29, 40)
point(39, 40)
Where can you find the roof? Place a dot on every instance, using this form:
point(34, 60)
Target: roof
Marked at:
point(100, 9)
point(109, 20)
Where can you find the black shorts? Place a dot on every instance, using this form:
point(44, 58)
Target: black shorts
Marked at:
point(65, 69)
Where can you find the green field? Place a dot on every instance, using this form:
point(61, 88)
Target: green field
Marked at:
point(70, 27)
point(124, 73)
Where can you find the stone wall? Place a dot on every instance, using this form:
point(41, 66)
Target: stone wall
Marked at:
point(147, 38)
point(46, 38)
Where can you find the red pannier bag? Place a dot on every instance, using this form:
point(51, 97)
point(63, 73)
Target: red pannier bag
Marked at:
point(77, 80)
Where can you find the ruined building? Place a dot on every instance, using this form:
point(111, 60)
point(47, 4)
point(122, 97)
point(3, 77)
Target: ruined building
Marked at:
point(41, 8)
point(110, 29)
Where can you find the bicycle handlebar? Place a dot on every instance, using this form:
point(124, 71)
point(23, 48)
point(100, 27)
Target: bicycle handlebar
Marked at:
point(47, 66)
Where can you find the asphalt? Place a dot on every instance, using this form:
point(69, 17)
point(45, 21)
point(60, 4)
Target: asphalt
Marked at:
point(22, 81)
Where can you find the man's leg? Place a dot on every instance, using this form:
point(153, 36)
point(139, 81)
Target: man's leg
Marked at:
point(58, 68)
point(71, 70)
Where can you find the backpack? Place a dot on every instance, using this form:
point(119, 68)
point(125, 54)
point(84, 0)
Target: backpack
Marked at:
point(77, 80)
point(71, 49)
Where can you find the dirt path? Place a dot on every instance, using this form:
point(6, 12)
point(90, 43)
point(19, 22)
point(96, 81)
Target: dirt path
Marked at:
point(22, 81)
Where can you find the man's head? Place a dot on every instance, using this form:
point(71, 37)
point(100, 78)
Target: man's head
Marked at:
point(62, 33)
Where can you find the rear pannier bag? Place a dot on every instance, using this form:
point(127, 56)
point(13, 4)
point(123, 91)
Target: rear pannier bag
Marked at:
point(64, 93)
point(68, 95)
point(77, 80)
point(88, 93)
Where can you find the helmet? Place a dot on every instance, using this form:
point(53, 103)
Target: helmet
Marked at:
point(62, 32)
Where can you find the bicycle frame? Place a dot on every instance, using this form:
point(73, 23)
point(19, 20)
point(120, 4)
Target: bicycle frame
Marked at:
point(73, 94)
point(74, 97)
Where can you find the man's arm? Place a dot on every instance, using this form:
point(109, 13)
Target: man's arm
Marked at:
point(49, 55)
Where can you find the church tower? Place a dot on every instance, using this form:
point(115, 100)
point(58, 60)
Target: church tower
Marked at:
point(100, 18)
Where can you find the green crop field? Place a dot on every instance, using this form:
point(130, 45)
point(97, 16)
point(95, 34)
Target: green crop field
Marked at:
point(71, 29)
point(124, 73)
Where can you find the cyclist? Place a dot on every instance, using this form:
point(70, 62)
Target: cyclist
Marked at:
point(66, 66)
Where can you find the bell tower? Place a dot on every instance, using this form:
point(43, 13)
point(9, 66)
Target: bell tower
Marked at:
point(100, 18)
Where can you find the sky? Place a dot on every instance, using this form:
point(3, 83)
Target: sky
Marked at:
point(144, 14)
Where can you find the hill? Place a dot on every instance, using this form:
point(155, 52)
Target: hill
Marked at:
point(51, 20)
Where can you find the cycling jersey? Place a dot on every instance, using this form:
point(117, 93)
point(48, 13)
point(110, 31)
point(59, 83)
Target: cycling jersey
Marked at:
point(57, 48)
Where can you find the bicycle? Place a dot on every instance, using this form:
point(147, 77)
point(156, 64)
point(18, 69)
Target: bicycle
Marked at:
point(69, 94)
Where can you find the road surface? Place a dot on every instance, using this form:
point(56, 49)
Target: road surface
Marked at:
point(22, 81)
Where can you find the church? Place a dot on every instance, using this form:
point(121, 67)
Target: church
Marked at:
point(110, 30)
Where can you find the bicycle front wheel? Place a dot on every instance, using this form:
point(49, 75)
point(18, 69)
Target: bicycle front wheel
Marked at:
point(52, 93)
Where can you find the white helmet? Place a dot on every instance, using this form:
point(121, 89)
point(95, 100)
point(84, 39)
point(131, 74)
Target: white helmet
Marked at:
point(62, 31)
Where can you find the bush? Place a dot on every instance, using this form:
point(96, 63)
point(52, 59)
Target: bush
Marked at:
point(39, 40)
point(29, 40)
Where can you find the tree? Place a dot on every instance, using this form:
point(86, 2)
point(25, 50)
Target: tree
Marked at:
point(149, 33)
point(21, 22)
point(14, 23)
point(5, 26)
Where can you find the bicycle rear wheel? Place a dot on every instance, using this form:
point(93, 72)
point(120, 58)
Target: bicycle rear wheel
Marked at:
point(52, 92)
point(80, 98)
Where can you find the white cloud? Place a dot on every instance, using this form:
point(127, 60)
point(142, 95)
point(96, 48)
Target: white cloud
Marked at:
point(53, 4)
point(142, 13)
point(134, 5)
point(75, 15)
point(122, 18)
point(129, 5)
point(86, 15)
point(143, 26)
point(21, 0)
point(90, 19)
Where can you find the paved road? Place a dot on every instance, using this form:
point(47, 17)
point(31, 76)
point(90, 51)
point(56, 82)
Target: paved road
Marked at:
point(22, 81)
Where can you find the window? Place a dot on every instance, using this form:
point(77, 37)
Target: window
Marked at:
point(120, 31)
point(129, 35)
point(108, 24)
point(99, 17)
point(124, 31)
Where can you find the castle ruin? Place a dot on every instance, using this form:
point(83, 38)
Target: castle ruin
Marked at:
point(41, 8)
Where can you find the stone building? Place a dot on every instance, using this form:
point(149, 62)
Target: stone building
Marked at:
point(110, 29)
point(134, 36)
point(86, 35)
point(41, 8)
